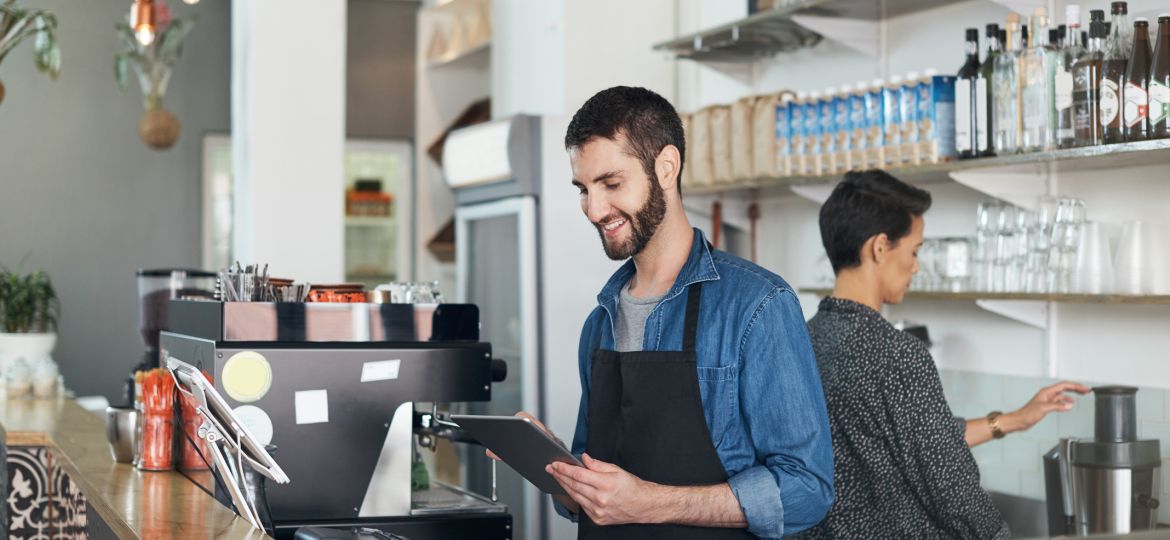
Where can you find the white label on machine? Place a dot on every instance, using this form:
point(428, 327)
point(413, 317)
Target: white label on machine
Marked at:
point(257, 421)
point(384, 370)
point(312, 406)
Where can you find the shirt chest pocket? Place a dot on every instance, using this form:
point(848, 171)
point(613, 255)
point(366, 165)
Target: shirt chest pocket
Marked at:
point(719, 389)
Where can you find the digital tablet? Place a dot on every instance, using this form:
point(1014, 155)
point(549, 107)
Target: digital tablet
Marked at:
point(521, 444)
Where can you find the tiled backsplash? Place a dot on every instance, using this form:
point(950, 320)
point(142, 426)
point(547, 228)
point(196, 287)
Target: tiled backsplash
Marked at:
point(1013, 464)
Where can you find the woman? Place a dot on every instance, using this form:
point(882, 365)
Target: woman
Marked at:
point(903, 465)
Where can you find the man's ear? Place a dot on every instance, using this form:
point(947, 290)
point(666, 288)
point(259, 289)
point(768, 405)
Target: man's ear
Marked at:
point(666, 167)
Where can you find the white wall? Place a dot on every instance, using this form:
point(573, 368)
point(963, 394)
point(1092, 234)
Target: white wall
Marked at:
point(288, 94)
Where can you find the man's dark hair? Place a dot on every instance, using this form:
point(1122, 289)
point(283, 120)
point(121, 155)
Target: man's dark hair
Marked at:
point(647, 121)
point(863, 205)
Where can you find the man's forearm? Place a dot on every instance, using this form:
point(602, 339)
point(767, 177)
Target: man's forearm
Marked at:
point(702, 506)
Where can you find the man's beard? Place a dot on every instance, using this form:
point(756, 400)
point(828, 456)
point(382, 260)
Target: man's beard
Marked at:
point(642, 225)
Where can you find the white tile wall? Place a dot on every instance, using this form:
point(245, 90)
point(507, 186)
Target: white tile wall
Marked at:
point(1013, 465)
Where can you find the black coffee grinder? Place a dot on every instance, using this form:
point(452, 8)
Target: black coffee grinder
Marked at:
point(156, 289)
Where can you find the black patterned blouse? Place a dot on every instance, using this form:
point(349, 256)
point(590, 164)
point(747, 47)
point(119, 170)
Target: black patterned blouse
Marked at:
point(902, 466)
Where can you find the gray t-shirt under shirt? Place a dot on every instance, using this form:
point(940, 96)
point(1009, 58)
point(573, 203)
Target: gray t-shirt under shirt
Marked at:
point(630, 322)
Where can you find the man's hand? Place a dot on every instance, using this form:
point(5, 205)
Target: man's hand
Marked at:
point(606, 493)
point(1048, 399)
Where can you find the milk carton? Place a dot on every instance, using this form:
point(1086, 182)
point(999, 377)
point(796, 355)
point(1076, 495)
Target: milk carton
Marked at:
point(908, 101)
point(892, 122)
point(798, 149)
point(874, 118)
point(857, 125)
point(827, 117)
point(844, 129)
point(936, 118)
point(784, 135)
point(812, 134)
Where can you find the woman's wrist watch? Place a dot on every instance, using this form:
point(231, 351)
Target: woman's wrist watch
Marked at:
point(993, 423)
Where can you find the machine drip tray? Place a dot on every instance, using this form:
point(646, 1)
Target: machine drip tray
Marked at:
point(443, 498)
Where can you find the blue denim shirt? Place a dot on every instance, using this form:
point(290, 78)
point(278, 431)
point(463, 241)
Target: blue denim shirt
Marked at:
point(758, 380)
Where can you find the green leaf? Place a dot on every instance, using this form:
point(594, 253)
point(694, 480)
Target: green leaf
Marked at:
point(120, 65)
point(171, 42)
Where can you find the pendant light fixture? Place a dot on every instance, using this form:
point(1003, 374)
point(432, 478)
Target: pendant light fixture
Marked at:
point(142, 21)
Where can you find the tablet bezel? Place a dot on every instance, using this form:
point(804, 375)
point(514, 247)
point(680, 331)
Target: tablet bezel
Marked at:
point(520, 453)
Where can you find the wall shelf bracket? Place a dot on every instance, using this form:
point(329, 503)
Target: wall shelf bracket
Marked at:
point(863, 36)
point(1030, 312)
point(1019, 186)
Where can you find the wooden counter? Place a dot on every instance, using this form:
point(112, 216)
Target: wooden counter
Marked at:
point(129, 502)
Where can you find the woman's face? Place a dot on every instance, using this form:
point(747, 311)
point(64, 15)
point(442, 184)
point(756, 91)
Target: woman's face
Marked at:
point(900, 263)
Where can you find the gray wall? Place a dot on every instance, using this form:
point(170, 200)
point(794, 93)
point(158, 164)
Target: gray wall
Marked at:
point(84, 198)
point(380, 76)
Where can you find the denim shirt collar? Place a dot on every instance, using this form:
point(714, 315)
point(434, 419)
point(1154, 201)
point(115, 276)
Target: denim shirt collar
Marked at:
point(699, 267)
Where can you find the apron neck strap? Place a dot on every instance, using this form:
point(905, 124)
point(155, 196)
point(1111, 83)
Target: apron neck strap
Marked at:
point(691, 324)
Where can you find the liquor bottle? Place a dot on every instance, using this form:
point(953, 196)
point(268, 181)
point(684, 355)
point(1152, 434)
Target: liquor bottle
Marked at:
point(1062, 79)
point(1006, 92)
point(1160, 82)
point(1087, 84)
point(984, 105)
point(1036, 110)
point(1113, 66)
point(966, 123)
point(1137, 84)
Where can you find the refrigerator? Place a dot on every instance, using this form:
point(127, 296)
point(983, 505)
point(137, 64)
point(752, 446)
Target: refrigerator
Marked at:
point(493, 170)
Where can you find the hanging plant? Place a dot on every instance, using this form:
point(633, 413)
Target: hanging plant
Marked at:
point(152, 62)
point(18, 23)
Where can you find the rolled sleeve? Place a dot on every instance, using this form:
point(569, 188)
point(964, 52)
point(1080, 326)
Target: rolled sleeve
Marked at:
point(791, 486)
point(759, 497)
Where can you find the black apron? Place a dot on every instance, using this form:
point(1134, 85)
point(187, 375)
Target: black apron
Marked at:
point(646, 416)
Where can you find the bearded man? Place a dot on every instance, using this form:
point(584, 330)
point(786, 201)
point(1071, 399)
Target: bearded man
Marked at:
point(701, 413)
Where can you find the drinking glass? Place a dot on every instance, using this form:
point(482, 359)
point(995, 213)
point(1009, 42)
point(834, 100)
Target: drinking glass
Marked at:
point(1094, 266)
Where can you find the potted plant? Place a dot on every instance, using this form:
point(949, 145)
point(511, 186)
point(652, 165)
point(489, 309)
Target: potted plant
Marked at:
point(28, 316)
point(18, 23)
point(152, 60)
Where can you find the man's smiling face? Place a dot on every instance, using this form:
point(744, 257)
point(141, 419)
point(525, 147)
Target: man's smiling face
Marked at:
point(617, 196)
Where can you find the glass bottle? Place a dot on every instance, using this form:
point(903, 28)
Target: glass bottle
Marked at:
point(985, 105)
point(966, 104)
point(1006, 91)
point(1035, 61)
point(1062, 80)
point(1086, 84)
point(1160, 82)
point(1136, 111)
point(1116, 60)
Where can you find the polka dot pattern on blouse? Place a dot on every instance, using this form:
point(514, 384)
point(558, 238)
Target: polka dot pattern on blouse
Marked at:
point(902, 468)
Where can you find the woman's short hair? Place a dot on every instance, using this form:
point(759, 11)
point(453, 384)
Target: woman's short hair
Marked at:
point(866, 204)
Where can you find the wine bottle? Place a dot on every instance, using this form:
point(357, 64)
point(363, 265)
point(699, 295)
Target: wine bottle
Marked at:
point(1087, 84)
point(1137, 84)
point(1160, 81)
point(1116, 60)
point(966, 99)
point(1062, 79)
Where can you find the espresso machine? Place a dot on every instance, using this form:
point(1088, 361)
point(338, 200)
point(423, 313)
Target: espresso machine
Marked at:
point(1109, 484)
point(349, 395)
